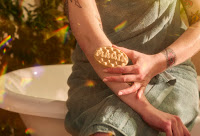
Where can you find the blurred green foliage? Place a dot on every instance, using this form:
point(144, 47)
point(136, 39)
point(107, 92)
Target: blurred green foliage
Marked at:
point(34, 39)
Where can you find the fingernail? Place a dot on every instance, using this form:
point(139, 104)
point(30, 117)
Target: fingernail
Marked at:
point(120, 93)
point(114, 45)
point(105, 80)
point(105, 70)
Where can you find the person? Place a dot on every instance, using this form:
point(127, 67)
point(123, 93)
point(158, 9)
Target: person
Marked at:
point(163, 98)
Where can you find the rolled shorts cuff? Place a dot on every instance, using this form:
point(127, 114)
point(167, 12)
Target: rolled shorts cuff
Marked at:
point(100, 128)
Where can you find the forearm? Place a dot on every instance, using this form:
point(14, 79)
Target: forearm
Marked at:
point(187, 45)
point(85, 26)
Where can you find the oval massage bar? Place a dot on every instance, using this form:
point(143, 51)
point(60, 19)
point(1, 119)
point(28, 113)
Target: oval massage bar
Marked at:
point(111, 57)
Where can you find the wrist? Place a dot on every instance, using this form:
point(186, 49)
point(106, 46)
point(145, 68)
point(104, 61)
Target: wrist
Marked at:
point(170, 57)
point(160, 62)
point(144, 106)
point(147, 110)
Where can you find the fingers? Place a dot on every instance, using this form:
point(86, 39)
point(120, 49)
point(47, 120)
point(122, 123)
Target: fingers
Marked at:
point(168, 128)
point(182, 128)
point(185, 131)
point(178, 128)
point(129, 90)
point(169, 132)
point(175, 129)
point(122, 78)
point(140, 92)
point(123, 70)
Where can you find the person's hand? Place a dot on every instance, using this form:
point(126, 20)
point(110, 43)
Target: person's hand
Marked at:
point(144, 68)
point(165, 122)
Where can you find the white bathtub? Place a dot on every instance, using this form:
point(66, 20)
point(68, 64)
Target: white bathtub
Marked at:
point(38, 94)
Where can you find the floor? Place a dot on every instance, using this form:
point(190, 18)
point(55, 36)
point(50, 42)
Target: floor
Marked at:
point(11, 124)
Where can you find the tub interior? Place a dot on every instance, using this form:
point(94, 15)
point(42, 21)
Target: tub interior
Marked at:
point(48, 82)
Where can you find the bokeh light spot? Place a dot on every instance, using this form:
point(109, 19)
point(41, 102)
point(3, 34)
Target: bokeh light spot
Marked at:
point(64, 29)
point(23, 63)
point(37, 71)
point(4, 69)
point(29, 131)
point(120, 26)
point(90, 83)
point(25, 81)
point(60, 18)
point(4, 51)
point(2, 94)
point(62, 61)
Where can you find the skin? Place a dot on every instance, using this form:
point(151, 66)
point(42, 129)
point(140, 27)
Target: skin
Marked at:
point(192, 8)
point(85, 23)
point(170, 56)
point(187, 3)
point(77, 3)
point(100, 23)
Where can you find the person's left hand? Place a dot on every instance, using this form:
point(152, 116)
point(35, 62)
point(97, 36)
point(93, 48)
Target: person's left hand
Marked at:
point(144, 68)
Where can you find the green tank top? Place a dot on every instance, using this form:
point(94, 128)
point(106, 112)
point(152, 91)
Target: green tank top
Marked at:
point(147, 26)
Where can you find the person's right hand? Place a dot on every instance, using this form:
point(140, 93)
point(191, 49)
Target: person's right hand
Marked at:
point(165, 122)
point(143, 69)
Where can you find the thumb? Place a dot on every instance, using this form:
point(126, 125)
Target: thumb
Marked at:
point(129, 53)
